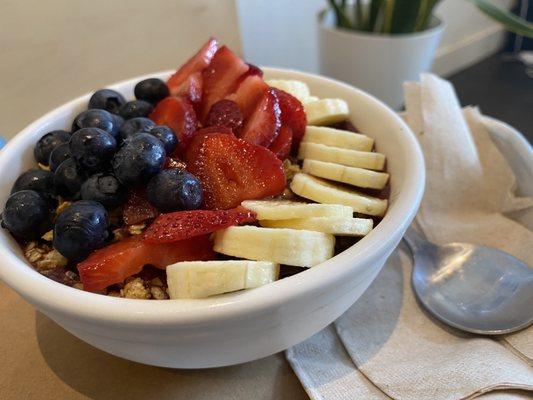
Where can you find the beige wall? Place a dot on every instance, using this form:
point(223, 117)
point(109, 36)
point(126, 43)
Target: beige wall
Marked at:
point(54, 50)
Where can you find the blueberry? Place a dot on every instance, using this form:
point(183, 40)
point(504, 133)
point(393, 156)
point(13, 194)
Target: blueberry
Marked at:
point(167, 136)
point(96, 119)
point(28, 215)
point(118, 121)
point(136, 125)
point(135, 108)
point(68, 179)
point(151, 90)
point(48, 143)
point(80, 229)
point(92, 148)
point(107, 99)
point(141, 157)
point(105, 189)
point(60, 154)
point(175, 189)
point(37, 180)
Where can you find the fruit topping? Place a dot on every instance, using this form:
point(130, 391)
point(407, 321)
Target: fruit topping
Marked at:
point(292, 115)
point(68, 178)
point(181, 225)
point(27, 215)
point(35, 179)
point(281, 146)
point(221, 78)
point(96, 119)
point(178, 114)
point(48, 143)
point(80, 229)
point(248, 94)
point(137, 208)
point(141, 157)
point(92, 148)
point(116, 262)
point(225, 113)
point(135, 108)
point(105, 189)
point(263, 125)
point(167, 137)
point(106, 99)
point(232, 170)
point(135, 125)
point(151, 90)
point(175, 189)
point(58, 155)
point(180, 83)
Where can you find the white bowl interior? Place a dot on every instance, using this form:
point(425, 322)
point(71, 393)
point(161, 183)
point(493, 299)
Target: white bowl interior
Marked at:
point(393, 138)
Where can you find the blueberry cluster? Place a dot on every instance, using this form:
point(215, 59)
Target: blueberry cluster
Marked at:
point(112, 147)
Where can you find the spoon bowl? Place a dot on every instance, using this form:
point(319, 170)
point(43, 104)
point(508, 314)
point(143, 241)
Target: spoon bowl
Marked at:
point(473, 288)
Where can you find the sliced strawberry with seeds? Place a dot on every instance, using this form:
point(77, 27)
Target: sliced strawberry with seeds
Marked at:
point(191, 89)
point(178, 114)
point(250, 91)
point(221, 78)
point(181, 83)
point(199, 135)
point(292, 115)
point(281, 146)
point(137, 209)
point(118, 261)
point(232, 170)
point(172, 227)
point(263, 125)
point(225, 113)
point(254, 70)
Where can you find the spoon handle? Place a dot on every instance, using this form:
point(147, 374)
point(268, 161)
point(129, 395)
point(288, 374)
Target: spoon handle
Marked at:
point(414, 239)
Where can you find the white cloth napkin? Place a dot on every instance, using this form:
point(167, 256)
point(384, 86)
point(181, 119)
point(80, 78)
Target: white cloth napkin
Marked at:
point(385, 346)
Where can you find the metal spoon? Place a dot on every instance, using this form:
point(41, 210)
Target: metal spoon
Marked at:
point(473, 288)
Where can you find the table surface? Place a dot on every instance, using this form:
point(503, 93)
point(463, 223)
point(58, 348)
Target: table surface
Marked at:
point(42, 361)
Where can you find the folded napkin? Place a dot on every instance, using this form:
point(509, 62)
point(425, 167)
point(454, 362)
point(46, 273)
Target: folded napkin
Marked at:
point(386, 346)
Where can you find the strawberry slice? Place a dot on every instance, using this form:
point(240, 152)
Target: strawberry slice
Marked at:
point(221, 78)
point(250, 91)
point(178, 114)
point(197, 141)
point(172, 227)
point(292, 115)
point(263, 125)
point(191, 89)
point(137, 209)
point(225, 113)
point(254, 70)
point(182, 82)
point(118, 261)
point(232, 170)
point(281, 146)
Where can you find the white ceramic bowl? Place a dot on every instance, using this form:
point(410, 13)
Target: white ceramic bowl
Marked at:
point(237, 327)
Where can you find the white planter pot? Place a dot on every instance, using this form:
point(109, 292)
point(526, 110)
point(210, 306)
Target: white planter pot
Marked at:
point(376, 63)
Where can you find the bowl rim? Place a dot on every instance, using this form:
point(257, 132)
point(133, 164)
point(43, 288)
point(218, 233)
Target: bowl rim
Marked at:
point(85, 305)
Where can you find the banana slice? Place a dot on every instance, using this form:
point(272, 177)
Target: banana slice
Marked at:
point(284, 209)
point(324, 192)
point(309, 100)
point(199, 279)
point(298, 89)
point(300, 248)
point(326, 111)
point(335, 226)
point(360, 177)
point(337, 138)
point(350, 158)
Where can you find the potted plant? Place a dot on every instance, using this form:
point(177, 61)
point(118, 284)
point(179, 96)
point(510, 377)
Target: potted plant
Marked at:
point(377, 45)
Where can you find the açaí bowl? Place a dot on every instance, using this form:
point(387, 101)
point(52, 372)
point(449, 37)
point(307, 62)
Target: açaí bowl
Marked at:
point(237, 327)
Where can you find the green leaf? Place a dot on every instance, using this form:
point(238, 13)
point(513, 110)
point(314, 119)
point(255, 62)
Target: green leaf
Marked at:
point(510, 21)
point(426, 9)
point(340, 13)
point(375, 7)
point(388, 15)
point(405, 15)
